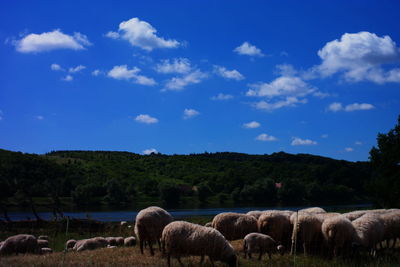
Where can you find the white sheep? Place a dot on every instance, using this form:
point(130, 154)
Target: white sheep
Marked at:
point(391, 223)
point(130, 241)
point(70, 244)
point(19, 244)
point(43, 237)
point(262, 243)
point(42, 243)
point(90, 244)
point(149, 225)
point(276, 224)
point(234, 225)
point(46, 251)
point(369, 231)
point(313, 210)
point(339, 233)
point(185, 239)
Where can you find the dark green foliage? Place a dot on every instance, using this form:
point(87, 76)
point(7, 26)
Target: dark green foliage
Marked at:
point(123, 178)
point(385, 161)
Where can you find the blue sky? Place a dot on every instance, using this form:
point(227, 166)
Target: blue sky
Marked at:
point(179, 77)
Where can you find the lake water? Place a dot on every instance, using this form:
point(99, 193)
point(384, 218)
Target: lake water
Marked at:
point(110, 216)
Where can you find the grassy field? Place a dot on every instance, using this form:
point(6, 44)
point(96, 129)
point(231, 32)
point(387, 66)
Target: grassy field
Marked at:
point(132, 256)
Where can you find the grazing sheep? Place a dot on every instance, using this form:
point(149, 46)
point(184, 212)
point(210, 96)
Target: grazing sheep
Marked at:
point(277, 225)
point(70, 244)
point(255, 213)
point(149, 225)
point(120, 241)
point(353, 215)
point(19, 244)
point(339, 233)
point(90, 244)
point(234, 225)
point(43, 237)
point(130, 241)
point(42, 243)
point(46, 251)
point(369, 231)
point(209, 224)
point(187, 239)
point(307, 231)
point(112, 241)
point(391, 223)
point(313, 210)
point(262, 243)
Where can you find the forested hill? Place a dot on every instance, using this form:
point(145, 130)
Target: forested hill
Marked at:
point(115, 178)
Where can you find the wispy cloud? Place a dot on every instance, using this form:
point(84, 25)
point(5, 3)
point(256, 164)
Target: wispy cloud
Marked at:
point(302, 142)
point(67, 78)
point(266, 138)
point(251, 125)
point(177, 65)
point(228, 74)
point(56, 67)
point(349, 149)
point(122, 72)
point(179, 83)
point(76, 69)
point(222, 96)
point(336, 106)
point(190, 113)
point(150, 151)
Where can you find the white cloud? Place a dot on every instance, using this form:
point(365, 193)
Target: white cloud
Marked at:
point(265, 137)
point(336, 106)
point(302, 142)
point(281, 86)
point(248, 49)
point(222, 96)
point(67, 78)
point(149, 151)
point(359, 57)
point(251, 125)
point(123, 73)
point(179, 83)
point(288, 102)
point(358, 143)
point(228, 74)
point(141, 34)
point(77, 69)
point(145, 118)
point(177, 65)
point(97, 72)
point(47, 41)
point(190, 113)
point(39, 117)
point(56, 67)
point(349, 149)
point(324, 136)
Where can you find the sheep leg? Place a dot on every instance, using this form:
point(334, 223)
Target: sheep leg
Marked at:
point(151, 249)
point(141, 246)
point(249, 255)
point(159, 244)
point(169, 260)
point(269, 255)
point(245, 249)
point(259, 256)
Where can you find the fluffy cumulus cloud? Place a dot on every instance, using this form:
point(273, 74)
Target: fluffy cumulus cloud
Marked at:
point(251, 125)
point(265, 137)
point(177, 65)
point(248, 49)
point(179, 83)
point(145, 118)
point(228, 74)
point(302, 142)
point(221, 96)
point(122, 72)
point(141, 34)
point(360, 57)
point(47, 41)
point(150, 151)
point(189, 113)
point(56, 67)
point(67, 78)
point(77, 69)
point(336, 106)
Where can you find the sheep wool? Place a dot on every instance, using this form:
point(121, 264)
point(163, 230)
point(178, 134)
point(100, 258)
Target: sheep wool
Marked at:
point(339, 234)
point(184, 239)
point(19, 244)
point(257, 242)
point(234, 225)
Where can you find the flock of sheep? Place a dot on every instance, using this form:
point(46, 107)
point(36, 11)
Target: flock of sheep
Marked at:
point(312, 231)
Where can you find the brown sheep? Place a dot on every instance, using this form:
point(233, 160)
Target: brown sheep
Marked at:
point(149, 225)
point(234, 225)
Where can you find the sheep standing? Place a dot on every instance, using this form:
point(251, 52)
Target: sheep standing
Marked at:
point(391, 223)
point(19, 244)
point(369, 231)
point(149, 225)
point(339, 233)
point(313, 210)
point(184, 239)
point(262, 243)
point(277, 225)
point(234, 225)
point(255, 213)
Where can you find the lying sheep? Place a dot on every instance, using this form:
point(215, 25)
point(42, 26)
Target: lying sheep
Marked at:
point(339, 233)
point(90, 244)
point(262, 243)
point(149, 225)
point(234, 225)
point(130, 241)
point(19, 244)
point(42, 243)
point(70, 244)
point(277, 225)
point(369, 231)
point(187, 239)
